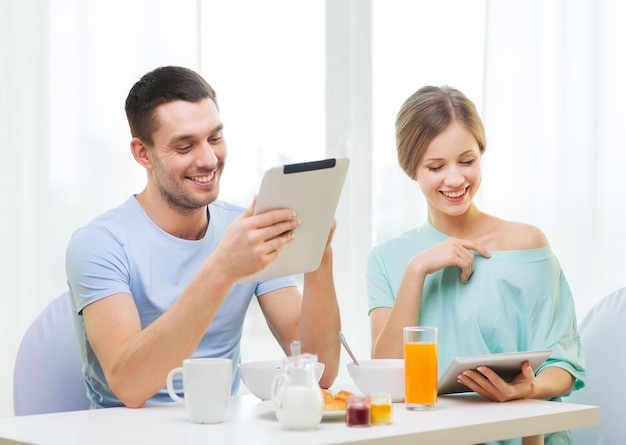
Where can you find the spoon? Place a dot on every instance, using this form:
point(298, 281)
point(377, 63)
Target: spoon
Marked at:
point(295, 347)
point(343, 341)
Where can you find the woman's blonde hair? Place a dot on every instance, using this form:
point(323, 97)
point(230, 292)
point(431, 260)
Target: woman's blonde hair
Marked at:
point(424, 115)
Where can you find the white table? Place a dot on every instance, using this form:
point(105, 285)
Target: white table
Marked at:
point(460, 419)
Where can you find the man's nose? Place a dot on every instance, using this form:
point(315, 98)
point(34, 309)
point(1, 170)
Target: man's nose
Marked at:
point(207, 156)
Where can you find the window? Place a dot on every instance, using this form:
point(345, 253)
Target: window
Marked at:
point(265, 61)
point(416, 43)
point(295, 79)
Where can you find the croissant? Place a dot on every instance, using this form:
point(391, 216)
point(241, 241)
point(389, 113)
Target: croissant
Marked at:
point(336, 402)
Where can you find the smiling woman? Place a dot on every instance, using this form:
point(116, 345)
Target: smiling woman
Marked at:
point(450, 168)
point(486, 284)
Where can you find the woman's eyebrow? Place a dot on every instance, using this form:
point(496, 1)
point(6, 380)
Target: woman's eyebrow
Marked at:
point(466, 152)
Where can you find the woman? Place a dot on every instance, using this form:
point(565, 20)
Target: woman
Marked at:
point(489, 285)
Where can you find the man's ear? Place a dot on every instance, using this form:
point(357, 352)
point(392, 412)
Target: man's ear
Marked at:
point(140, 152)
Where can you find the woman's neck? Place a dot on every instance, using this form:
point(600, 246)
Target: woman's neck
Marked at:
point(465, 226)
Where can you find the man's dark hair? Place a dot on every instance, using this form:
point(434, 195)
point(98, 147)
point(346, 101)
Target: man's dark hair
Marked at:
point(162, 85)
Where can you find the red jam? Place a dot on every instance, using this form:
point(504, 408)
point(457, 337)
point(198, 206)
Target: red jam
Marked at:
point(358, 411)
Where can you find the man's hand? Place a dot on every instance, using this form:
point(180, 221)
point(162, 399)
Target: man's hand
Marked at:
point(252, 242)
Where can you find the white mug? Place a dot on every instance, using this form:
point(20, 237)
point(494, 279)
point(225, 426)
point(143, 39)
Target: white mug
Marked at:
point(206, 387)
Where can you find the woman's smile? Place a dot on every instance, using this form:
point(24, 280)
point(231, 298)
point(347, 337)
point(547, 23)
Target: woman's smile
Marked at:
point(455, 195)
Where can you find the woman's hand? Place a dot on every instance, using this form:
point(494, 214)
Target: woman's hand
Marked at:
point(488, 384)
point(451, 252)
point(551, 382)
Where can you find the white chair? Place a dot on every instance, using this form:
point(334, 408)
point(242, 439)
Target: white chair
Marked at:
point(47, 375)
point(603, 333)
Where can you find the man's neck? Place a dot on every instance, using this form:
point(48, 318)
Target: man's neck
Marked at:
point(190, 225)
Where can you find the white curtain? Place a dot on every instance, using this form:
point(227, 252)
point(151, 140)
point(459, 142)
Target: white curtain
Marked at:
point(23, 175)
point(554, 112)
point(65, 69)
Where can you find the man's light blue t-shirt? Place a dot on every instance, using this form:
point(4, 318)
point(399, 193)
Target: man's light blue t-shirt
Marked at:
point(124, 251)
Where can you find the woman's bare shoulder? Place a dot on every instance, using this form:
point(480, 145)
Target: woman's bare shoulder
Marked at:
point(521, 236)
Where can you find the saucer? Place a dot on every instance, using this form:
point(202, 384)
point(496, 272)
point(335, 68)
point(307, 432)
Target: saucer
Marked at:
point(268, 405)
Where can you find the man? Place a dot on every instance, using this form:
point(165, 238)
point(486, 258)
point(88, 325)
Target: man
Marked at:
point(153, 281)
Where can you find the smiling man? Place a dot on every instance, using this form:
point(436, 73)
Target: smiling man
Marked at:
point(153, 281)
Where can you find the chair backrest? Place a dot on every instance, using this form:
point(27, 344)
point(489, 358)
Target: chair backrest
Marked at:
point(47, 376)
point(603, 334)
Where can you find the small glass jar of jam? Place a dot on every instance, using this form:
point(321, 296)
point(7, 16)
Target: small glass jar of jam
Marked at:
point(381, 408)
point(358, 411)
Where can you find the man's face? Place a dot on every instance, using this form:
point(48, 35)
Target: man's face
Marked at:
point(188, 155)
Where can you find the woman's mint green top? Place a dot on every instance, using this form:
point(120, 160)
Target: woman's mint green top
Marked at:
point(517, 300)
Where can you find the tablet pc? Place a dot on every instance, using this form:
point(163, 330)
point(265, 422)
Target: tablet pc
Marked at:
point(312, 190)
point(507, 365)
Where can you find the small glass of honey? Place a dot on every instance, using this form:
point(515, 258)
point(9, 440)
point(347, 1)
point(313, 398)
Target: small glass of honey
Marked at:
point(381, 409)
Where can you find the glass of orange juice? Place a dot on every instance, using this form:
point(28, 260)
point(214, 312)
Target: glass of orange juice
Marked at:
point(420, 367)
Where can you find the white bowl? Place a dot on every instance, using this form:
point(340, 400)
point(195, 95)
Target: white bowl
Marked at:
point(379, 375)
point(258, 376)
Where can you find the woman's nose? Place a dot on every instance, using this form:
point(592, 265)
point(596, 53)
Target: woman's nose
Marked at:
point(454, 177)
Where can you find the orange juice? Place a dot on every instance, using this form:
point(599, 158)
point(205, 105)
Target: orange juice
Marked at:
point(420, 370)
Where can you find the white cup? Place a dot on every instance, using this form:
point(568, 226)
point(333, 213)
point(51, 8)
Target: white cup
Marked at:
point(206, 387)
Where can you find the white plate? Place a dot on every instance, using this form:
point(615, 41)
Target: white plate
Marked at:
point(335, 414)
point(268, 405)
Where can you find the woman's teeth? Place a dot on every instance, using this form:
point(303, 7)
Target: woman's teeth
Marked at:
point(455, 194)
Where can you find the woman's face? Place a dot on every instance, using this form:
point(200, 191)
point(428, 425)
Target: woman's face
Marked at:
point(449, 173)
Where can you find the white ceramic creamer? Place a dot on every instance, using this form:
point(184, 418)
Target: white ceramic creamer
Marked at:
point(297, 395)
